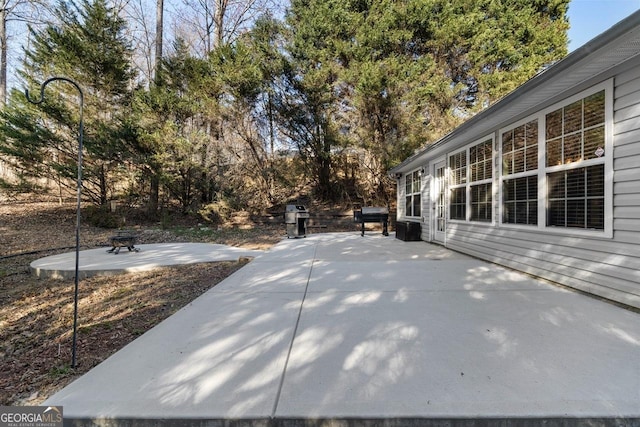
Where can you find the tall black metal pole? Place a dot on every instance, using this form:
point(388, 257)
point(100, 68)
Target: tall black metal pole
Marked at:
point(79, 199)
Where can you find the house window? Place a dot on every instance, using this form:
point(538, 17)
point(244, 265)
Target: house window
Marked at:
point(458, 168)
point(520, 149)
point(458, 194)
point(520, 200)
point(555, 166)
point(520, 174)
point(458, 203)
point(481, 202)
point(413, 190)
point(575, 158)
point(576, 198)
point(575, 133)
point(471, 183)
point(481, 166)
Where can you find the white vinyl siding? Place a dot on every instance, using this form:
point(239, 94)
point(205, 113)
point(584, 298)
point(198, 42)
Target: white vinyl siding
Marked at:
point(605, 263)
point(400, 199)
point(590, 167)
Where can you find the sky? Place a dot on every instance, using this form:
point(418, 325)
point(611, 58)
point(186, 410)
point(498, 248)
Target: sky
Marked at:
point(589, 18)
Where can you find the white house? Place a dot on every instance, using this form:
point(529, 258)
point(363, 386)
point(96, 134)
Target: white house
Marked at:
point(547, 180)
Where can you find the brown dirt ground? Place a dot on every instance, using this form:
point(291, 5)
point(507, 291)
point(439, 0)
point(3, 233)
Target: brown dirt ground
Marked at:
point(36, 315)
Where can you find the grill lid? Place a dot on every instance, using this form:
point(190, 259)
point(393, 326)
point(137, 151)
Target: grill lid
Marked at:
point(375, 211)
point(295, 208)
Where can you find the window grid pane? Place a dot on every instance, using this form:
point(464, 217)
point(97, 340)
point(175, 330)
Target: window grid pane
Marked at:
point(593, 140)
point(481, 199)
point(520, 201)
point(458, 168)
point(480, 161)
point(594, 110)
point(416, 205)
point(576, 132)
point(412, 196)
point(576, 198)
point(458, 203)
point(520, 149)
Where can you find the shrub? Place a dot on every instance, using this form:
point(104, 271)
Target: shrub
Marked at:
point(101, 216)
point(216, 213)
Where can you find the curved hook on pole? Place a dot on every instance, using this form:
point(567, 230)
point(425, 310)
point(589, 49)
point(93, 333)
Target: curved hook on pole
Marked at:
point(79, 197)
point(81, 93)
point(52, 79)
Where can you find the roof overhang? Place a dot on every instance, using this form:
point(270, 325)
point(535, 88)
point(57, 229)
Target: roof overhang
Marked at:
point(618, 45)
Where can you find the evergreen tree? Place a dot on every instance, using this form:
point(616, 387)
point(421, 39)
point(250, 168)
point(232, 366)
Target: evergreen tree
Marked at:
point(393, 76)
point(388, 85)
point(318, 33)
point(487, 48)
point(175, 129)
point(86, 44)
point(251, 71)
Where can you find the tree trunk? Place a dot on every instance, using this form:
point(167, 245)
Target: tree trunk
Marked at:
point(154, 194)
point(103, 186)
point(159, 36)
point(221, 10)
point(3, 56)
point(271, 157)
point(154, 190)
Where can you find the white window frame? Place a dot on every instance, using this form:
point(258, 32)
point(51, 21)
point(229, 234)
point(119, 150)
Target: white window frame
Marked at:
point(414, 192)
point(543, 170)
point(484, 181)
point(467, 184)
point(453, 186)
point(524, 174)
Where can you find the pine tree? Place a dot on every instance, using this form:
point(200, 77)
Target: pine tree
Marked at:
point(87, 45)
point(250, 71)
point(318, 31)
point(394, 76)
point(174, 142)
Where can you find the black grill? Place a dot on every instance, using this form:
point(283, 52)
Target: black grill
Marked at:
point(372, 214)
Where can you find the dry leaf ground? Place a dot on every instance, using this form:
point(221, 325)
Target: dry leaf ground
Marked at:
point(36, 315)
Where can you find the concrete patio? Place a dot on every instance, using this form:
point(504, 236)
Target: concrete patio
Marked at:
point(338, 329)
point(94, 262)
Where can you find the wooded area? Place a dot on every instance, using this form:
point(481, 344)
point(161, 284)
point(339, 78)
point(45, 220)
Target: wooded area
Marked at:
point(244, 108)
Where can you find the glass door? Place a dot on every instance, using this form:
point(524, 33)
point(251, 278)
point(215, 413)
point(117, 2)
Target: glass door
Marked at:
point(440, 202)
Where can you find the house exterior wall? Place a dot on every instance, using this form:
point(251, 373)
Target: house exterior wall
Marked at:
point(401, 212)
point(605, 264)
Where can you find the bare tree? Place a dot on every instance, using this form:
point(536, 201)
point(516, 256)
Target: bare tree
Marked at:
point(149, 38)
point(3, 55)
point(159, 34)
point(142, 35)
point(216, 22)
point(21, 12)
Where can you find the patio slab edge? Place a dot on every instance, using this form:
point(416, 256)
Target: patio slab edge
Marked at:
point(361, 422)
point(95, 262)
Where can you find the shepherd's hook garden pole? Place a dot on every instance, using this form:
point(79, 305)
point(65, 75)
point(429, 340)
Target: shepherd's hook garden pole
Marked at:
point(79, 197)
